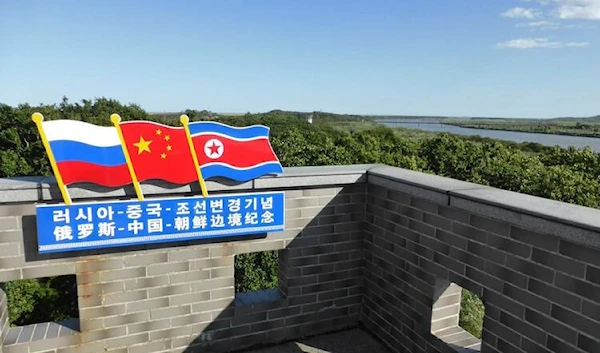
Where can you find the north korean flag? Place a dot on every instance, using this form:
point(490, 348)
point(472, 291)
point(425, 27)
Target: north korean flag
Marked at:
point(238, 153)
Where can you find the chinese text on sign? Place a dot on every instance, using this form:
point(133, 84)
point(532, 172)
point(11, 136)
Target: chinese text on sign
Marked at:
point(108, 224)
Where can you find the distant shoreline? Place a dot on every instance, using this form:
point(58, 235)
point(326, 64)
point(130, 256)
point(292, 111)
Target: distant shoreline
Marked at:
point(550, 129)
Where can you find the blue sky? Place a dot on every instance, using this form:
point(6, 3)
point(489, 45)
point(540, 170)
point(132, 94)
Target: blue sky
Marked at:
point(510, 58)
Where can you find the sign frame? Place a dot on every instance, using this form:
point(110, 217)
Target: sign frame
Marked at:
point(171, 237)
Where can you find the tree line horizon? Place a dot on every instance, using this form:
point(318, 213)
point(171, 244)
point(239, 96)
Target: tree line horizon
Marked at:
point(565, 174)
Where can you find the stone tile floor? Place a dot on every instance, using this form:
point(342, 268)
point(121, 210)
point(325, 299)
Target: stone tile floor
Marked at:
point(350, 341)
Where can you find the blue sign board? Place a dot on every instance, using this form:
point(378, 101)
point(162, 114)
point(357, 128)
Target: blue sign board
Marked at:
point(96, 225)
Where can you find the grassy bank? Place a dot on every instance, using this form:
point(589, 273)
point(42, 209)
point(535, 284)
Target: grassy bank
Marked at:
point(570, 128)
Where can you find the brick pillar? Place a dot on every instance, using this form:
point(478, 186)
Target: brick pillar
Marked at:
point(4, 322)
point(446, 306)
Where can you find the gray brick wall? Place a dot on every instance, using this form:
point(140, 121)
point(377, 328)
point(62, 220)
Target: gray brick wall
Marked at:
point(181, 297)
point(533, 285)
point(364, 245)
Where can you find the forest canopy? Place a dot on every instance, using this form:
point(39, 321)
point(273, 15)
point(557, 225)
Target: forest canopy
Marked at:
point(569, 175)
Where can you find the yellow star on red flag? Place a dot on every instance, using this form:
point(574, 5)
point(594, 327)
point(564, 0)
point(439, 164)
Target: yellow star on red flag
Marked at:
point(143, 145)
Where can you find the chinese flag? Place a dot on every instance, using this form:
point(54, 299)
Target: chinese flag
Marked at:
point(159, 152)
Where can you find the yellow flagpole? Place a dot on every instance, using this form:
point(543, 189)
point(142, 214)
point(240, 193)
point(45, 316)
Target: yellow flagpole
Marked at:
point(116, 120)
point(38, 118)
point(185, 121)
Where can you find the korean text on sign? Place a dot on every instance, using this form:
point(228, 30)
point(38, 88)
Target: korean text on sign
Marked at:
point(96, 225)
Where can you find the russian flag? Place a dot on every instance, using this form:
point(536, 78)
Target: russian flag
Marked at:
point(87, 153)
point(238, 153)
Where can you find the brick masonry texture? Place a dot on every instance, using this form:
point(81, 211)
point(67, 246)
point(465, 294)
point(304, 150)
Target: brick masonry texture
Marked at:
point(532, 284)
point(364, 245)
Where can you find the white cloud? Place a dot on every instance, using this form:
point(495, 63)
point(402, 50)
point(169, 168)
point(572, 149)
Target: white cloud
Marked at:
point(578, 9)
point(551, 15)
point(530, 43)
point(541, 2)
point(540, 25)
point(568, 9)
point(577, 44)
point(572, 9)
point(549, 25)
point(520, 12)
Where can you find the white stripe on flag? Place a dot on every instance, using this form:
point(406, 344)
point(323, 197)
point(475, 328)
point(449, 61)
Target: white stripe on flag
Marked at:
point(79, 131)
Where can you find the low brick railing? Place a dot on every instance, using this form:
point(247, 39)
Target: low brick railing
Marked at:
point(381, 247)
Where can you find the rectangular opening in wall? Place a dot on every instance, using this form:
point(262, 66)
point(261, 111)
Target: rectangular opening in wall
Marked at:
point(40, 308)
point(257, 277)
point(472, 312)
point(457, 317)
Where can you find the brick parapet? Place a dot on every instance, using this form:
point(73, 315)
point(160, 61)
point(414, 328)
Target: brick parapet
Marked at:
point(366, 244)
point(533, 279)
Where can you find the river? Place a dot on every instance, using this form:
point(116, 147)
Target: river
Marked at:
point(544, 139)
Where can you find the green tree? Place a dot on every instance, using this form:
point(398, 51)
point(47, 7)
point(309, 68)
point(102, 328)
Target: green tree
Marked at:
point(256, 271)
point(41, 300)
